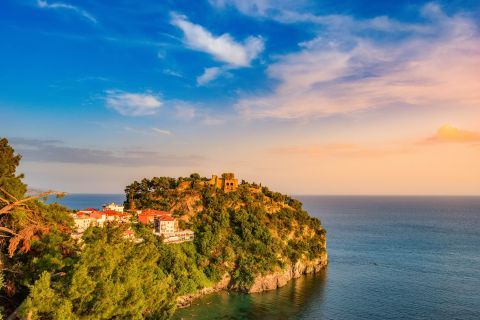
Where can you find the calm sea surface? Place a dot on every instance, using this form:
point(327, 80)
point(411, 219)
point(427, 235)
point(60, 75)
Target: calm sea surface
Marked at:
point(82, 201)
point(390, 258)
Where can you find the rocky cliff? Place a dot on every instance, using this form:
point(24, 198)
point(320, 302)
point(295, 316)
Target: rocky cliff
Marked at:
point(280, 278)
point(270, 281)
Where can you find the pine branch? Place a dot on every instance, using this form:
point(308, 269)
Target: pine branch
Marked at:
point(8, 194)
point(17, 203)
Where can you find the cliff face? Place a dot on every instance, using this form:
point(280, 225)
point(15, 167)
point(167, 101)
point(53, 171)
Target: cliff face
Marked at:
point(280, 278)
point(270, 281)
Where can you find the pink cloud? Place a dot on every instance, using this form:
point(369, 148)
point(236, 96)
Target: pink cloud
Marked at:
point(343, 72)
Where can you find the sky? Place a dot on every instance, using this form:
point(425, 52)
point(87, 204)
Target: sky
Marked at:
point(306, 97)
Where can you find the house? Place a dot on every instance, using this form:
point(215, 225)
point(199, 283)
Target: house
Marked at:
point(180, 236)
point(113, 206)
point(86, 211)
point(165, 225)
point(82, 222)
point(99, 217)
point(112, 215)
point(147, 216)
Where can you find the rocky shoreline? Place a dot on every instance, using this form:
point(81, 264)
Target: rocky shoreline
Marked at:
point(267, 282)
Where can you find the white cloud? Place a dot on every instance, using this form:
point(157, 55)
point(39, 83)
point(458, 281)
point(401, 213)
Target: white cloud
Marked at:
point(173, 73)
point(341, 71)
point(299, 11)
point(162, 131)
point(149, 131)
point(132, 104)
point(260, 7)
point(58, 5)
point(209, 74)
point(223, 48)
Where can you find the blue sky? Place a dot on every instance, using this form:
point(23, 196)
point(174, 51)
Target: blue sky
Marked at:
point(124, 90)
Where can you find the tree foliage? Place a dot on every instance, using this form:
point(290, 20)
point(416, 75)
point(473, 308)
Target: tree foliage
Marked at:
point(25, 222)
point(113, 279)
point(11, 184)
point(242, 233)
point(49, 275)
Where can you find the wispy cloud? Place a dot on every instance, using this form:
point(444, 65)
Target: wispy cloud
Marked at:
point(261, 8)
point(149, 131)
point(133, 104)
point(173, 73)
point(449, 134)
point(200, 114)
point(64, 6)
point(289, 12)
point(342, 70)
point(223, 48)
point(37, 150)
point(162, 131)
point(344, 150)
point(209, 74)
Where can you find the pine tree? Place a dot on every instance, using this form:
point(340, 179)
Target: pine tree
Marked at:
point(11, 185)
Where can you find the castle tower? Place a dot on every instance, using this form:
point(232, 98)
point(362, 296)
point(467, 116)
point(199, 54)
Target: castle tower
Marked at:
point(227, 182)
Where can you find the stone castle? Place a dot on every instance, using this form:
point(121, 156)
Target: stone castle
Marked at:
point(227, 182)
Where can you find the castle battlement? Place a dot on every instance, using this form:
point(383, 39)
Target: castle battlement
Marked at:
point(227, 182)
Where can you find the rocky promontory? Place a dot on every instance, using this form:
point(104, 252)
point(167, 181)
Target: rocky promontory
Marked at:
point(247, 237)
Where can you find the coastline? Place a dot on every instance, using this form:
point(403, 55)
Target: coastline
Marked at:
point(268, 282)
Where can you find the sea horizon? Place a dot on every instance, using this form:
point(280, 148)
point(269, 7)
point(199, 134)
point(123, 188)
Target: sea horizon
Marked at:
point(306, 159)
point(389, 258)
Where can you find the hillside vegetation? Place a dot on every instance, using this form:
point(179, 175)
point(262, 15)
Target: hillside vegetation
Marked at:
point(239, 237)
point(242, 234)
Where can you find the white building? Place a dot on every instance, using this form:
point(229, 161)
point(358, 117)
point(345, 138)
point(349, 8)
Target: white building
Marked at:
point(113, 206)
point(180, 236)
point(165, 225)
point(82, 222)
point(99, 218)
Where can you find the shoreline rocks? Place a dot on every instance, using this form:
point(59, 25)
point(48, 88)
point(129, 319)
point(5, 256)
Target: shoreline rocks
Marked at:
point(261, 283)
point(279, 279)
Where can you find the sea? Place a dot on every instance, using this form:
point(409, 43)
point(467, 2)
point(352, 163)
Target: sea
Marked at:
point(399, 257)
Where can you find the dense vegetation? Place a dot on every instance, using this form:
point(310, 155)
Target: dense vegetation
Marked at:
point(244, 233)
point(46, 274)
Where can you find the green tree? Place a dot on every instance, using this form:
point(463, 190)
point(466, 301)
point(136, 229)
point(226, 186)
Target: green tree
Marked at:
point(24, 221)
point(195, 176)
point(11, 184)
point(113, 279)
point(44, 302)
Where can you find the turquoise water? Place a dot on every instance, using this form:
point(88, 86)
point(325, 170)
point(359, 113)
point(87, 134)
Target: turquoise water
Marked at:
point(390, 258)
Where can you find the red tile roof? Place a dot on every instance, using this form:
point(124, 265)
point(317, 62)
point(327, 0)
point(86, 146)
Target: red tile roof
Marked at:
point(145, 218)
point(154, 212)
point(83, 217)
point(114, 213)
point(166, 218)
point(96, 215)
